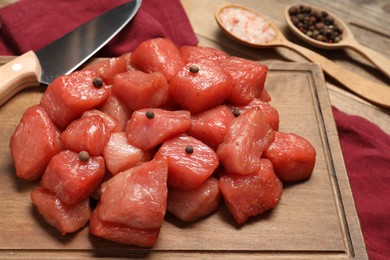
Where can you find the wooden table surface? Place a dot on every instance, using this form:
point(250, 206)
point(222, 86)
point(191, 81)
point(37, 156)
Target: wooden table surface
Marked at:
point(369, 21)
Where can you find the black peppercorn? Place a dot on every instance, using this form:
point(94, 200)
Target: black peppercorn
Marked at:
point(149, 114)
point(189, 149)
point(295, 20)
point(83, 156)
point(194, 68)
point(97, 82)
point(317, 25)
point(293, 10)
point(328, 33)
point(236, 112)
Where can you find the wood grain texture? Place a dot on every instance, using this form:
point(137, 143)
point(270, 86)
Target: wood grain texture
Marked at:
point(315, 218)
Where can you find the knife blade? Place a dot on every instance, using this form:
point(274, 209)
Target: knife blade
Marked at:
point(65, 54)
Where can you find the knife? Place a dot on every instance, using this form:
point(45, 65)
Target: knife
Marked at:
point(65, 54)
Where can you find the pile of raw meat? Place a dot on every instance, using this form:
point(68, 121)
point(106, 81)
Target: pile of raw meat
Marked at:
point(159, 129)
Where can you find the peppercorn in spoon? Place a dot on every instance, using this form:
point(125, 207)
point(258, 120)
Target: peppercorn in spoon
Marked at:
point(251, 29)
point(325, 30)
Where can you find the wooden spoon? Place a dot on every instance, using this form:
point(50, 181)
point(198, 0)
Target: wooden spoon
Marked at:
point(347, 41)
point(374, 92)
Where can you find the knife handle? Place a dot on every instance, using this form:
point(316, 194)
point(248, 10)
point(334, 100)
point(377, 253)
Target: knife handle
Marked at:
point(18, 74)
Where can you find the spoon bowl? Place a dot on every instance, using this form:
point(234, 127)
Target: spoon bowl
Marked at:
point(346, 33)
point(241, 24)
point(347, 39)
point(251, 29)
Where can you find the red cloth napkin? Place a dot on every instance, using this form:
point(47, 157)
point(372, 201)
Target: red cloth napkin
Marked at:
point(366, 151)
point(32, 24)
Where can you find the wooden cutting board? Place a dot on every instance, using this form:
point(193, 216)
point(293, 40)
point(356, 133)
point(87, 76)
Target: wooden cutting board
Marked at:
point(315, 219)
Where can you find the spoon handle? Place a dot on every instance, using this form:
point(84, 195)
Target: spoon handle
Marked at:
point(379, 60)
point(376, 93)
